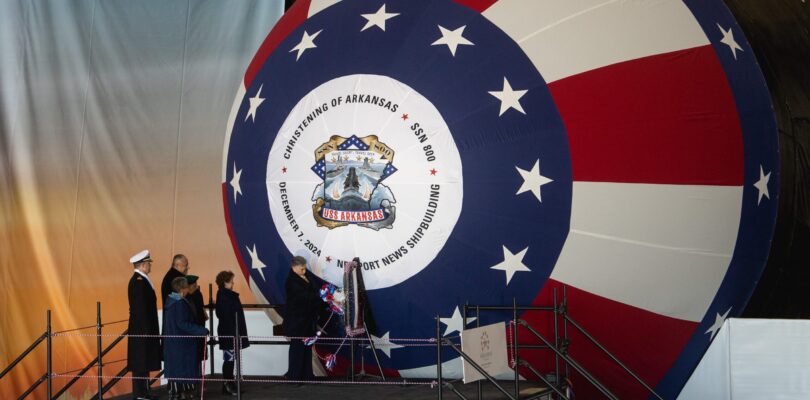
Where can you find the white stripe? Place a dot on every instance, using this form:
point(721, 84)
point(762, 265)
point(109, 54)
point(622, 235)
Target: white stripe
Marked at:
point(568, 37)
point(451, 369)
point(271, 313)
point(317, 6)
point(661, 248)
point(237, 101)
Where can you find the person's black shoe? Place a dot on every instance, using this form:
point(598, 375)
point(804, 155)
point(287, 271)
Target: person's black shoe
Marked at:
point(229, 388)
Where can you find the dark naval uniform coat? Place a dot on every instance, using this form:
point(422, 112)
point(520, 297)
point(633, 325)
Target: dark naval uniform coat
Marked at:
point(181, 353)
point(143, 354)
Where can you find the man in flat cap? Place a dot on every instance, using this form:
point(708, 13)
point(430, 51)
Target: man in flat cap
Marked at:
point(144, 354)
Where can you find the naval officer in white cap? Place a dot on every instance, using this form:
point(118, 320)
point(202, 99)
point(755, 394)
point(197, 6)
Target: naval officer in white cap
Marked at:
point(144, 354)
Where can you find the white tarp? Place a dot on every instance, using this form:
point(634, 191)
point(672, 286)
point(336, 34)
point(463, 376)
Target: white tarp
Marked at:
point(754, 359)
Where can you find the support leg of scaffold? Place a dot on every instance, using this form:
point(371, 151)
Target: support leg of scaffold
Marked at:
point(99, 361)
point(49, 361)
point(556, 339)
point(565, 324)
point(515, 347)
point(439, 356)
point(478, 325)
point(211, 325)
point(237, 352)
point(352, 349)
point(374, 352)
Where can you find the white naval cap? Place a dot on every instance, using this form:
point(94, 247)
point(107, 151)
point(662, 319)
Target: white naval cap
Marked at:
point(143, 256)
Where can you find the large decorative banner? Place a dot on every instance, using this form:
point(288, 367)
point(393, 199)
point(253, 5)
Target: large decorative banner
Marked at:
point(112, 116)
point(485, 151)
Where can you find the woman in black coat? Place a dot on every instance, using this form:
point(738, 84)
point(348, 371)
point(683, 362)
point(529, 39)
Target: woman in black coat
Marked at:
point(301, 316)
point(229, 312)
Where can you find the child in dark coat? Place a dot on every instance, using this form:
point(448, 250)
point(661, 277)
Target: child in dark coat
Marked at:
point(180, 354)
point(229, 313)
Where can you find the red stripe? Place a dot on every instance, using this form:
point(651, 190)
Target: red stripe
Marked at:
point(294, 17)
point(668, 118)
point(477, 5)
point(646, 342)
point(231, 235)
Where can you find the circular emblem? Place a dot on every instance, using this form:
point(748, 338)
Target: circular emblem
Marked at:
point(365, 166)
point(491, 151)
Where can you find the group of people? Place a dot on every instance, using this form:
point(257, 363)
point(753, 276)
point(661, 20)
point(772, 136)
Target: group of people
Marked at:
point(182, 347)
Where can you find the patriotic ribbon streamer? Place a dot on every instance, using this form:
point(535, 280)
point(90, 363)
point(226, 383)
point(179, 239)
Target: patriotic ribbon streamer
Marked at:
point(312, 340)
point(333, 297)
point(330, 362)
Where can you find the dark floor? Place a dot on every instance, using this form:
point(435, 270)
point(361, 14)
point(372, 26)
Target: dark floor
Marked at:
point(363, 390)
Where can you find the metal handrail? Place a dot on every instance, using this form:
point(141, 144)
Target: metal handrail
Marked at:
point(545, 381)
point(211, 306)
point(19, 358)
point(121, 374)
point(47, 336)
point(612, 357)
point(33, 387)
point(510, 308)
point(112, 381)
point(560, 309)
point(440, 342)
point(515, 346)
point(156, 378)
point(91, 364)
point(477, 368)
point(570, 361)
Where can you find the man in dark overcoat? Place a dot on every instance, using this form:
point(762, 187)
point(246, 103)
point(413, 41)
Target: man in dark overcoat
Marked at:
point(180, 353)
point(143, 353)
point(178, 269)
point(301, 313)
